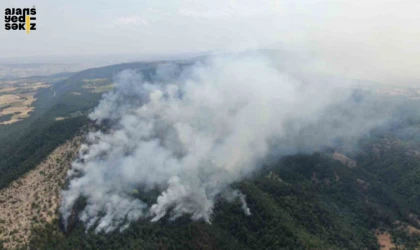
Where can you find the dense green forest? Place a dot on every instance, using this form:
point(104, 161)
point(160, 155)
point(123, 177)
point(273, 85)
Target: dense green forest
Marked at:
point(301, 202)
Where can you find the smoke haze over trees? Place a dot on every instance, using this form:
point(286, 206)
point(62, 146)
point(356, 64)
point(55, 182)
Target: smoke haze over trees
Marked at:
point(190, 133)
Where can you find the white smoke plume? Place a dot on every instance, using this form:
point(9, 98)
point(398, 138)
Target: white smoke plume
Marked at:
point(191, 135)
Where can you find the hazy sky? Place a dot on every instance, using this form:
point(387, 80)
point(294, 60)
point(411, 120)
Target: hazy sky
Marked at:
point(372, 39)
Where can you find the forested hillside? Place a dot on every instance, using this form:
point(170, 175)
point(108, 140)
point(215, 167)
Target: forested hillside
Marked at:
point(326, 200)
point(59, 113)
point(302, 202)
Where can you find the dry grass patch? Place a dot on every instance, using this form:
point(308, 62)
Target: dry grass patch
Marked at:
point(20, 108)
point(99, 85)
point(16, 99)
point(9, 99)
point(5, 90)
point(384, 240)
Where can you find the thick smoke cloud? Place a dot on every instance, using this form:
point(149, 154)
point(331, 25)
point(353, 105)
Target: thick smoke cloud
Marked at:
point(191, 133)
